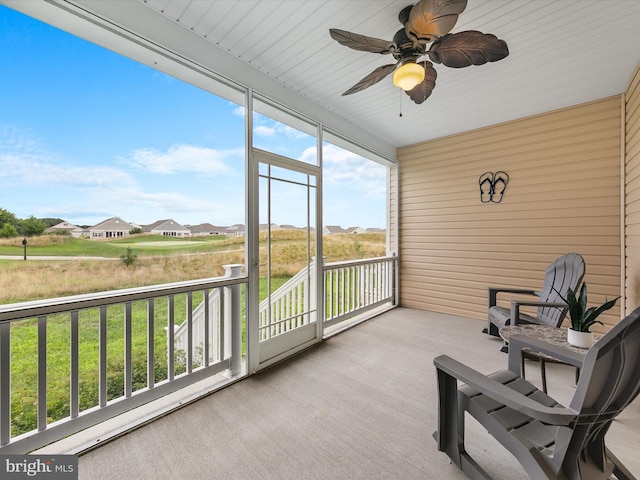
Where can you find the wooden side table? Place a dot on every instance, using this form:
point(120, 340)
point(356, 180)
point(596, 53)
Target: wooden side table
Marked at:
point(553, 335)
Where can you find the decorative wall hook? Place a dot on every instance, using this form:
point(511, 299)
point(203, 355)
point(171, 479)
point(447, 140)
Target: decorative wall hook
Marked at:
point(492, 186)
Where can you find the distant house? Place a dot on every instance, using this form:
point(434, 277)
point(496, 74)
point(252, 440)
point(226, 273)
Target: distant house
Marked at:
point(111, 228)
point(73, 230)
point(236, 230)
point(168, 228)
point(263, 227)
point(355, 230)
point(332, 229)
point(288, 227)
point(205, 229)
point(375, 230)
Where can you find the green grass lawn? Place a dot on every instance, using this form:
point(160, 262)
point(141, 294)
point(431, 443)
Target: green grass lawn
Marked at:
point(24, 356)
point(141, 245)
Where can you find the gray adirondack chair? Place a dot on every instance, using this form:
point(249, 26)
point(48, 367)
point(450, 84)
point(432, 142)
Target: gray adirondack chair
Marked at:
point(549, 440)
point(564, 273)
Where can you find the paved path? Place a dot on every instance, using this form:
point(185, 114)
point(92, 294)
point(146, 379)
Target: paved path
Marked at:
point(51, 257)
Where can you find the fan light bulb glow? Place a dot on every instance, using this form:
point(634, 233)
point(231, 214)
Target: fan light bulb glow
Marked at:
point(408, 76)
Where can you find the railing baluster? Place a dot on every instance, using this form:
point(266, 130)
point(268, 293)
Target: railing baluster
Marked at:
point(291, 322)
point(74, 358)
point(189, 321)
point(5, 383)
point(128, 354)
point(102, 362)
point(345, 306)
point(170, 336)
point(207, 319)
point(355, 287)
point(222, 321)
point(349, 288)
point(332, 292)
point(376, 272)
point(346, 288)
point(380, 281)
point(304, 303)
point(374, 280)
point(42, 373)
point(293, 303)
point(151, 350)
point(342, 291)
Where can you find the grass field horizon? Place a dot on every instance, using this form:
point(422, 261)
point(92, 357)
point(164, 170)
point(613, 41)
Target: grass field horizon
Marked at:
point(159, 261)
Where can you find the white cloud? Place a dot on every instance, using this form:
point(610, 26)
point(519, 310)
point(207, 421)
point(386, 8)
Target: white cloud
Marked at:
point(183, 158)
point(14, 140)
point(264, 131)
point(39, 172)
point(142, 207)
point(343, 167)
point(266, 127)
point(25, 161)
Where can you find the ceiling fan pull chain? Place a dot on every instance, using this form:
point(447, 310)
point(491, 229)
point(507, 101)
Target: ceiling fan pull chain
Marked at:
point(400, 92)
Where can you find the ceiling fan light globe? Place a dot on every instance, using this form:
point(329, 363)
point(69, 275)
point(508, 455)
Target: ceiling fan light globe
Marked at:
point(408, 76)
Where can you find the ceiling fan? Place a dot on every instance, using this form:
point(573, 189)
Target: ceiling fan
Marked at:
point(426, 24)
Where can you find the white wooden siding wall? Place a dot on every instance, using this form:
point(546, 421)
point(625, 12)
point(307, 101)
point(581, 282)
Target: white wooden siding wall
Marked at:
point(563, 195)
point(632, 191)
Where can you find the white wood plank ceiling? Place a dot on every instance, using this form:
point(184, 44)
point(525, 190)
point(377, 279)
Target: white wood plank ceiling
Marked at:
point(562, 53)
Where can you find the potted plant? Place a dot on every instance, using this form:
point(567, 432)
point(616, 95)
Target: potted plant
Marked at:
point(582, 318)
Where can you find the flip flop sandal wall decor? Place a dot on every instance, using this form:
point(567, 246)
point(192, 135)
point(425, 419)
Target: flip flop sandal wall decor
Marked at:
point(492, 186)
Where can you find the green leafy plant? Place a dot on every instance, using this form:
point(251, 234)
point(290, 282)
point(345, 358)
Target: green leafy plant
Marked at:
point(129, 258)
point(582, 318)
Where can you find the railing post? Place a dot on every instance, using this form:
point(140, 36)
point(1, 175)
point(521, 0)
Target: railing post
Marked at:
point(5, 383)
point(311, 296)
point(233, 316)
point(395, 279)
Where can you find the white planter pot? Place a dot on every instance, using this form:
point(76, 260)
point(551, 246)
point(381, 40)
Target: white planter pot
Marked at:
point(579, 339)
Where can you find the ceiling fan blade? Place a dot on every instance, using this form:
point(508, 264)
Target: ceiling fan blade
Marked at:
point(361, 42)
point(431, 19)
point(462, 49)
point(422, 91)
point(371, 79)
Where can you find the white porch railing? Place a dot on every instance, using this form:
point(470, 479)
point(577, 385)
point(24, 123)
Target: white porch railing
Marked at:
point(207, 342)
point(96, 310)
point(355, 287)
point(213, 336)
point(351, 288)
point(290, 306)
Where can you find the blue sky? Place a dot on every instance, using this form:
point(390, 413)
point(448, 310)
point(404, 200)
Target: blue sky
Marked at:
point(86, 134)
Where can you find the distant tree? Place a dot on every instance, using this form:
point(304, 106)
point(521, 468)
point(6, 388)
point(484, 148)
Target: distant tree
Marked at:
point(8, 231)
point(32, 226)
point(128, 257)
point(6, 217)
point(50, 222)
point(135, 230)
point(358, 248)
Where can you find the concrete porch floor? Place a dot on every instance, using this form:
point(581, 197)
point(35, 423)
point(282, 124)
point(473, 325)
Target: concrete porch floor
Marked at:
point(361, 405)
